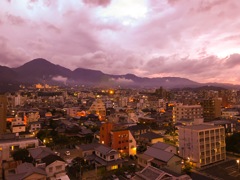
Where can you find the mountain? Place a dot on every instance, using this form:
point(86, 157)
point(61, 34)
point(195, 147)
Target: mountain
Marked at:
point(42, 71)
point(7, 74)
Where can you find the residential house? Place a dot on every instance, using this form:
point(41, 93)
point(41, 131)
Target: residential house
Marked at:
point(87, 149)
point(150, 138)
point(38, 154)
point(165, 147)
point(27, 171)
point(105, 157)
point(152, 173)
point(161, 159)
point(34, 126)
point(54, 166)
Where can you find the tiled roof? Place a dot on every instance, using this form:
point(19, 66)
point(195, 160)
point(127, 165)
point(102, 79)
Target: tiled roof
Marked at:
point(159, 154)
point(51, 158)
point(40, 152)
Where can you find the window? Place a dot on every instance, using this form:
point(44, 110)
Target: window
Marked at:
point(114, 167)
point(59, 168)
point(112, 157)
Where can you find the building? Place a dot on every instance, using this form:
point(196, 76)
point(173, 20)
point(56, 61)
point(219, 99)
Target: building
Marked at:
point(229, 126)
point(153, 173)
point(105, 130)
point(211, 108)
point(27, 171)
point(54, 166)
point(3, 114)
point(160, 158)
point(165, 147)
point(229, 113)
point(119, 139)
point(189, 112)
point(17, 125)
point(8, 146)
point(98, 107)
point(150, 138)
point(87, 149)
point(124, 142)
point(202, 144)
point(104, 157)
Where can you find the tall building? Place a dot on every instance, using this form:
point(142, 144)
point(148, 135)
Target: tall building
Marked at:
point(3, 113)
point(202, 144)
point(187, 112)
point(211, 108)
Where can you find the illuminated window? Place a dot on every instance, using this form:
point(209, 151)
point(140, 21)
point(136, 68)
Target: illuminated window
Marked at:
point(114, 167)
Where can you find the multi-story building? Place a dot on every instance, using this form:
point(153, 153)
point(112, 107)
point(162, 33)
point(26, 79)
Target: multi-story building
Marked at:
point(98, 107)
point(229, 113)
point(119, 139)
point(211, 108)
point(202, 144)
point(3, 113)
point(189, 112)
point(17, 125)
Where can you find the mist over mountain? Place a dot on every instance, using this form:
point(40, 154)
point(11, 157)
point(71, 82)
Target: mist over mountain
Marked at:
point(42, 71)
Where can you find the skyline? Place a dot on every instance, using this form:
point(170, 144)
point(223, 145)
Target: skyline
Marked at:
point(198, 40)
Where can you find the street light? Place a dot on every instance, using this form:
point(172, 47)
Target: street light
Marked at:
point(238, 163)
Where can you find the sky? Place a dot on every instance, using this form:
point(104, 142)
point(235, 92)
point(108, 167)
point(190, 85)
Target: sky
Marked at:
point(194, 39)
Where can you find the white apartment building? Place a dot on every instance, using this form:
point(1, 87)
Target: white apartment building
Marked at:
point(202, 144)
point(189, 112)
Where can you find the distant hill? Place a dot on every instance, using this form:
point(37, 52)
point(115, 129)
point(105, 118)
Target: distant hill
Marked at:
point(42, 71)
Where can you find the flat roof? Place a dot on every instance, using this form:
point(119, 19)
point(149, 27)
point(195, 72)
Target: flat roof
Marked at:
point(200, 127)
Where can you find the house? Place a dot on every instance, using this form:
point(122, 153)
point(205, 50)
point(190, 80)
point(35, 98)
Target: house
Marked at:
point(161, 159)
point(87, 149)
point(108, 157)
point(105, 157)
point(27, 171)
point(165, 147)
point(54, 166)
point(38, 154)
point(34, 126)
point(150, 138)
point(152, 173)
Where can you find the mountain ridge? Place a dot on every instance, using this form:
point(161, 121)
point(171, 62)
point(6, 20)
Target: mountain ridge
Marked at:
point(42, 71)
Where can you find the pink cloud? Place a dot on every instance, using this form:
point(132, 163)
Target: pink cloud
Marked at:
point(97, 2)
point(15, 20)
point(195, 39)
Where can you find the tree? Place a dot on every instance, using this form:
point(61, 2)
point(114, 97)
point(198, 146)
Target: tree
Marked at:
point(22, 155)
point(233, 143)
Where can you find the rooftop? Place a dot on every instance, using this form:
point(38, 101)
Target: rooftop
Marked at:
point(200, 127)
